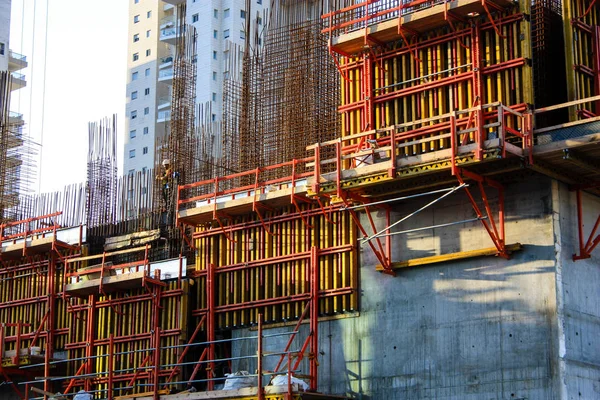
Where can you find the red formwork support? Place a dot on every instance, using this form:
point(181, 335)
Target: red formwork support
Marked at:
point(586, 246)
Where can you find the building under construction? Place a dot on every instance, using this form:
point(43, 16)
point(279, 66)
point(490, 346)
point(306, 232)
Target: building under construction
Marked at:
point(403, 204)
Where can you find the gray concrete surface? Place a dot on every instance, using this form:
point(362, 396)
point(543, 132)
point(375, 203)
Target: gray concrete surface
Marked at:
point(486, 328)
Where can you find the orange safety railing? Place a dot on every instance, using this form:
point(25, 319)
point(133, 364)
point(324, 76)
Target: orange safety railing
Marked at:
point(257, 179)
point(23, 228)
point(362, 14)
point(509, 130)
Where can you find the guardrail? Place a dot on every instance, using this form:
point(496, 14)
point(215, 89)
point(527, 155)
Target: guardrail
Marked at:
point(511, 127)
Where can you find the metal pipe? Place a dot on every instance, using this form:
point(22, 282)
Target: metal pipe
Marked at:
point(399, 198)
point(433, 226)
point(414, 213)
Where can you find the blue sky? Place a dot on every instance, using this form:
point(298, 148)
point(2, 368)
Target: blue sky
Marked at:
point(85, 75)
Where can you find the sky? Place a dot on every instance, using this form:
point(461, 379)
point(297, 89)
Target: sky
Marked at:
point(76, 75)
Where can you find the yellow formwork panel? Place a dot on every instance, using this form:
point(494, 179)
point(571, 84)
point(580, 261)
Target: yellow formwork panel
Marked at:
point(434, 75)
point(580, 24)
point(245, 271)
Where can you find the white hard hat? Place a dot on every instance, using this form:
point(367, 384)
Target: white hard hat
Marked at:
point(166, 162)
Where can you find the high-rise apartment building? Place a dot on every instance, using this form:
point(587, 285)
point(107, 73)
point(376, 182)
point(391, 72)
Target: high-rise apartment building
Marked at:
point(153, 31)
point(10, 60)
point(14, 167)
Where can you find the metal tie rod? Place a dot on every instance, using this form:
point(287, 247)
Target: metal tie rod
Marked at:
point(399, 198)
point(454, 189)
point(433, 226)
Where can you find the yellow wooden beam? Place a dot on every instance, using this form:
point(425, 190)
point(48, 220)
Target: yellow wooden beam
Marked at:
point(415, 262)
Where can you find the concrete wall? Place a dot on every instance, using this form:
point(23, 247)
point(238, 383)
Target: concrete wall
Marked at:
point(577, 293)
point(4, 32)
point(476, 329)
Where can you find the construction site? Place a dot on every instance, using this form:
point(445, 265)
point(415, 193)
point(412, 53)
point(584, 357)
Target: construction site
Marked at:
point(402, 202)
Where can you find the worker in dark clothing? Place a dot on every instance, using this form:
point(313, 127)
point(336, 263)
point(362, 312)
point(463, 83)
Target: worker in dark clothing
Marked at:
point(166, 180)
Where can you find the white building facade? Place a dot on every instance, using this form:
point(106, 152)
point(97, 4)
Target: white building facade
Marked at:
point(219, 24)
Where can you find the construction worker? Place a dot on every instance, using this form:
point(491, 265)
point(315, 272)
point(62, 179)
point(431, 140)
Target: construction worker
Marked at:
point(166, 178)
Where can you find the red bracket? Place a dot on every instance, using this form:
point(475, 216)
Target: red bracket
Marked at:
point(585, 249)
point(496, 232)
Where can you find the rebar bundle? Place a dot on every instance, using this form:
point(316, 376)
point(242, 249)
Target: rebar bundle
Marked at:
point(102, 171)
point(180, 144)
point(17, 154)
point(289, 91)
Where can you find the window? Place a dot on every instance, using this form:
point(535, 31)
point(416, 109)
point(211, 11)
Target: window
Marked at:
point(242, 34)
point(145, 150)
point(132, 134)
point(136, 56)
point(144, 189)
point(134, 114)
point(148, 53)
point(214, 117)
point(145, 130)
point(258, 1)
point(149, 14)
point(225, 33)
point(214, 55)
point(226, 13)
point(243, 14)
point(134, 76)
point(136, 19)
point(148, 33)
point(195, 18)
point(2, 49)
point(144, 169)
point(259, 41)
point(136, 37)
point(146, 91)
point(215, 34)
point(214, 76)
point(131, 171)
point(132, 153)
point(216, 13)
point(146, 110)
point(214, 96)
point(147, 72)
point(259, 20)
point(134, 95)
point(136, 1)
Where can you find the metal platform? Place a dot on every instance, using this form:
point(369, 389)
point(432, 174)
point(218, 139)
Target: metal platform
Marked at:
point(270, 393)
point(353, 27)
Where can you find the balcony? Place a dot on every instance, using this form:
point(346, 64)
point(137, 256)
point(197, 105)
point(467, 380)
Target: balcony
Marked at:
point(164, 102)
point(15, 119)
point(174, 2)
point(166, 76)
point(16, 61)
point(168, 7)
point(163, 116)
point(18, 81)
point(169, 35)
point(166, 62)
point(168, 22)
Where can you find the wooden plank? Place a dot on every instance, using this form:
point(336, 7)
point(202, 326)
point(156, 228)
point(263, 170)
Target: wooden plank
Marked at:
point(450, 257)
point(110, 283)
point(566, 125)
point(225, 394)
point(567, 104)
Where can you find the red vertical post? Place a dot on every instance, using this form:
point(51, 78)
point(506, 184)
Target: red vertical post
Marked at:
point(89, 350)
point(477, 89)
point(210, 325)
point(50, 289)
point(314, 317)
point(261, 394)
point(156, 326)
point(368, 112)
point(453, 146)
point(317, 171)
point(111, 350)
